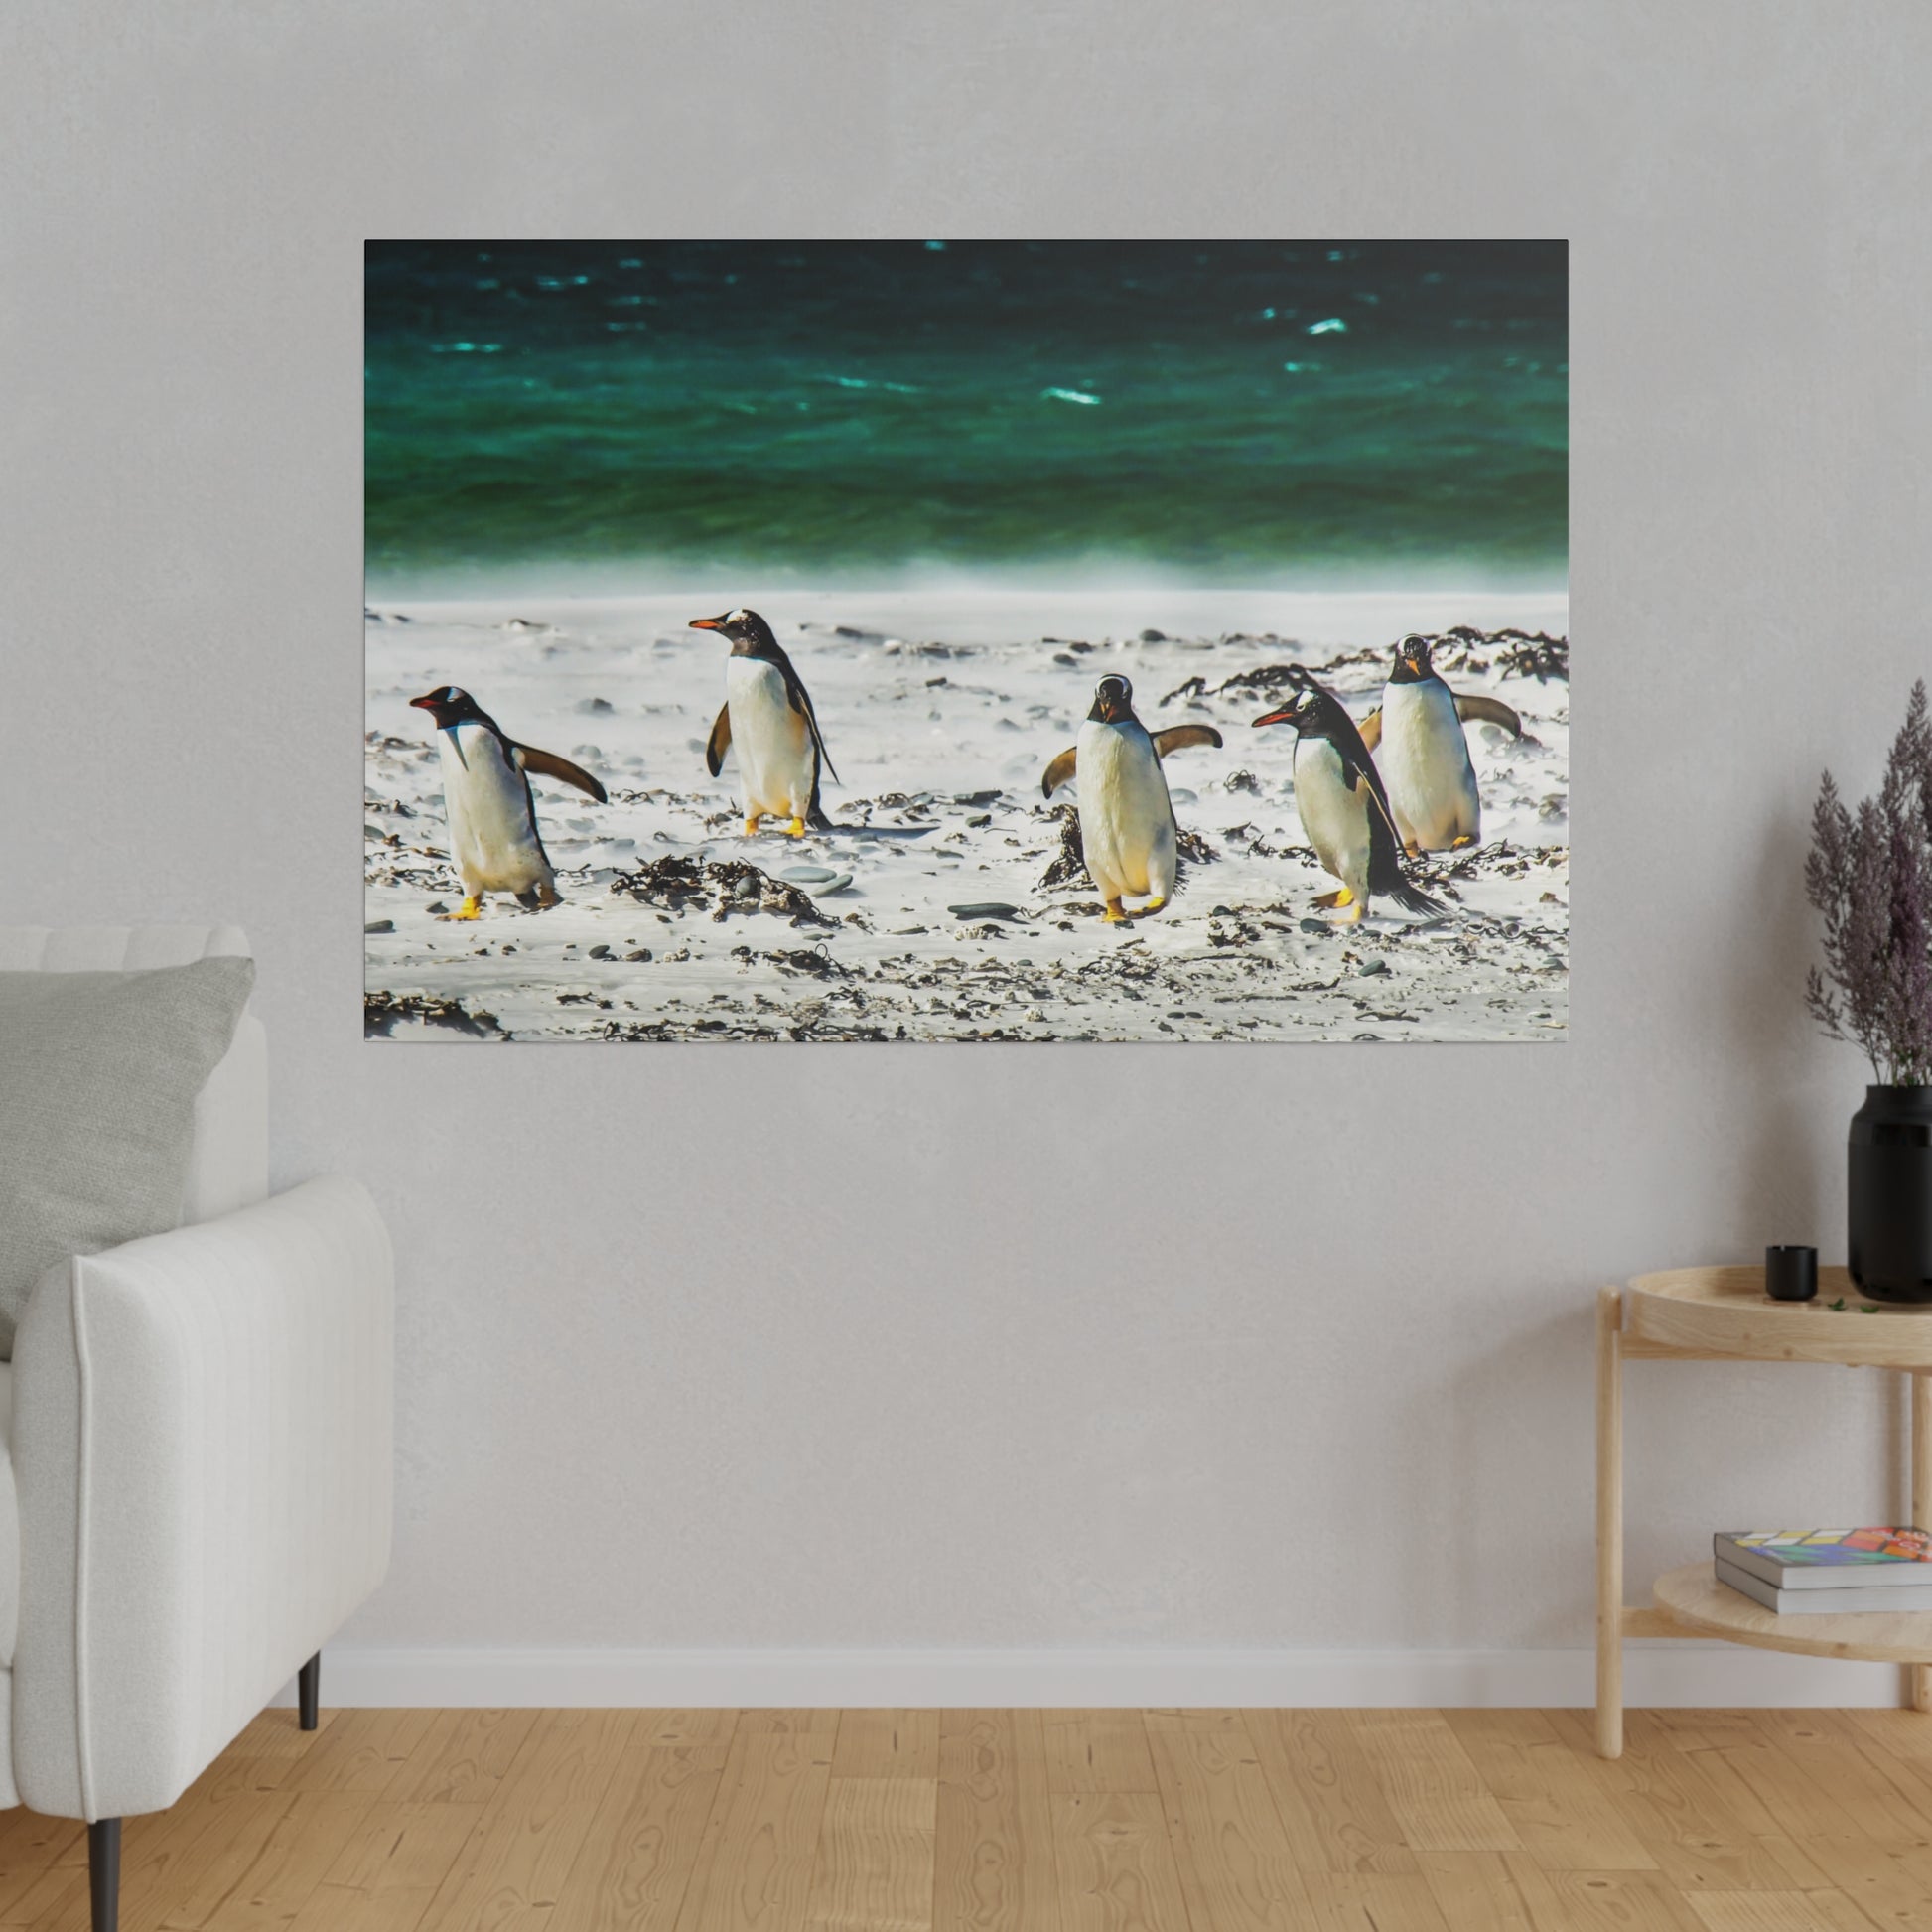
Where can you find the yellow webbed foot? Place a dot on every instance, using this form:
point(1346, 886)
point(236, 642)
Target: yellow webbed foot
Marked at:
point(1153, 905)
point(1344, 897)
point(1457, 844)
point(752, 824)
point(549, 896)
point(1116, 916)
point(1412, 847)
point(1330, 901)
point(471, 908)
point(796, 828)
point(1354, 916)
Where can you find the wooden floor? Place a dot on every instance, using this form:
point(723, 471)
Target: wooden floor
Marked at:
point(1023, 1821)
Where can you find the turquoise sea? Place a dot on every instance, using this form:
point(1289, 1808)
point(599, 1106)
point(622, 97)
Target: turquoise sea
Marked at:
point(1216, 411)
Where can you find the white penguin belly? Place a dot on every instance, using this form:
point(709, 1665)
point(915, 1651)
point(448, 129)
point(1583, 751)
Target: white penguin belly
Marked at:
point(775, 752)
point(1334, 817)
point(493, 831)
point(1126, 828)
point(1424, 758)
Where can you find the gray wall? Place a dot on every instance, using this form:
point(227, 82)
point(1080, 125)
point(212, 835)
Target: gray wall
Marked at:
point(947, 1364)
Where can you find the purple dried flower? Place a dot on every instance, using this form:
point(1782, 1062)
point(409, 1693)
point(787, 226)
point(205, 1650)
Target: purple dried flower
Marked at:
point(1870, 876)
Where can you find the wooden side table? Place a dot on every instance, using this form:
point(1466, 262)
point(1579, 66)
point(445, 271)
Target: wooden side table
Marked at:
point(1705, 1315)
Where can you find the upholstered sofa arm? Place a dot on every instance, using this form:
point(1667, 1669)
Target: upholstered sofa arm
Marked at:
point(203, 1452)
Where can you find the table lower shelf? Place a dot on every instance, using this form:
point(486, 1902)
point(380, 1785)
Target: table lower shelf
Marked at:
point(1695, 1602)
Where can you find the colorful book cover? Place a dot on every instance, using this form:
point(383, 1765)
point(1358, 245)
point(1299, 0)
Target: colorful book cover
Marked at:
point(1822, 1549)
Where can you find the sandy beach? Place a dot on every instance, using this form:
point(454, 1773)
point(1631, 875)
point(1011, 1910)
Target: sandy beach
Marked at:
point(941, 906)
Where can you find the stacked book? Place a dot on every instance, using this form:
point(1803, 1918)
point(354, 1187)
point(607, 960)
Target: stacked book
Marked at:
point(1827, 1573)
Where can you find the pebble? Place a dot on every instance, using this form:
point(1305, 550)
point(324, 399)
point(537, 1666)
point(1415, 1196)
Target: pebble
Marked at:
point(600, 952)
point(642, 953)
point(807, 875)
point(1370, 967)
point(834, 882)
point(746, 887)
point(985, 909)
point(1314, 925)
point(380, 925)
point(437, 908)
point(1181, 795)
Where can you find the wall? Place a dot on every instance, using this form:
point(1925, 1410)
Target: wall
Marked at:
point(951, 1369)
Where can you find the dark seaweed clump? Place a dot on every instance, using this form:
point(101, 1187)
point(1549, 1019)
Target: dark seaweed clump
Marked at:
point(725, 886)
point(382, 1011)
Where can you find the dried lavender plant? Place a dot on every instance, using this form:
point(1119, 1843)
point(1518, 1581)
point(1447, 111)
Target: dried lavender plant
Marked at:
point(1869, 874)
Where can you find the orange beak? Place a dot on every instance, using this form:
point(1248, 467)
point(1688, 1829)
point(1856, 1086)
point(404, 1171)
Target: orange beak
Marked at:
point(1280, 717)
point(706, 623)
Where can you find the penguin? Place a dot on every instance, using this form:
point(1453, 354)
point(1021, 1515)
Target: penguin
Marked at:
point(493, 838)
point(1127, 826)
point(1344, 808)
point(1424, 754)
point(768, 714)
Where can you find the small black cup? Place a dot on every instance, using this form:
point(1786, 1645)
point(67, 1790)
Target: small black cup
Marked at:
point(1791, 1274)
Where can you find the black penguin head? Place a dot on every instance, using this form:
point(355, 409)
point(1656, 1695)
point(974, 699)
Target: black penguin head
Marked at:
point(1412, 664)
point(747, 633)
point(448, 704)
point(1310, 711)
point(1112, 701)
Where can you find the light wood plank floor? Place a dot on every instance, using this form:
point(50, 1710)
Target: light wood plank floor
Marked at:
point(1023, 1821)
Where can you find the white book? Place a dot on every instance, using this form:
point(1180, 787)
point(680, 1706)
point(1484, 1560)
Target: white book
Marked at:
point(1899, 1599)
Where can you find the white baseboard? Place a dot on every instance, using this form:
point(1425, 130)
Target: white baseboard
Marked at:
point(1663, 1674)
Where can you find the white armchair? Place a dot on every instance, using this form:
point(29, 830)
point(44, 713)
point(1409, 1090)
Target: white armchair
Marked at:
point(197, 1438)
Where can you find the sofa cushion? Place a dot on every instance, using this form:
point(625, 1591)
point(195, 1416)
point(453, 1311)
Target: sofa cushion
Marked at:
point(99, 1073)
point(9, 1524)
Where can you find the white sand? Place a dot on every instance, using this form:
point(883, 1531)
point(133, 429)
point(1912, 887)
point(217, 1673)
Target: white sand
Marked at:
point(926, 701)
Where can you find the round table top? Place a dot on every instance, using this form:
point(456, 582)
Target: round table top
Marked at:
point(1693, 1598)
point(1726, 1311)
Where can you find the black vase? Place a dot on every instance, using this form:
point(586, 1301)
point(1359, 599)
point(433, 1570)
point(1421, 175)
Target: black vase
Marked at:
point(1890, 1197)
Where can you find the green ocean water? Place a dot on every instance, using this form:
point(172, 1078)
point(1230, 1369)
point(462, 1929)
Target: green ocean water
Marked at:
point(1212, 411)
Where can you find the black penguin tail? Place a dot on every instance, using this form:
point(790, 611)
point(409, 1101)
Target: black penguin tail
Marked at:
point(817, 820)
point(1411, 898)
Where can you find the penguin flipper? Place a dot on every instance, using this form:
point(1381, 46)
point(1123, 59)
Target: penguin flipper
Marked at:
point(549, 765)
point(1371, 729)
point(719, 742)
point(801, 702)
point(1178, 737)
point(1473, 709)
point(1061, 769)
point(1386, 878)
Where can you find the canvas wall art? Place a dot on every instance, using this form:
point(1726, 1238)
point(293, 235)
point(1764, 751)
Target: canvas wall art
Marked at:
point(956, 640)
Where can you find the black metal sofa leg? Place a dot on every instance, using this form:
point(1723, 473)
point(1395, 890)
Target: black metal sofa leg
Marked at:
point(104, 1872)
point(308, 1690)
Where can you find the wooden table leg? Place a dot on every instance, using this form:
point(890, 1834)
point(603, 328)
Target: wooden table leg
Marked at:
point(1609, 1522)
point(1921, 1674)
